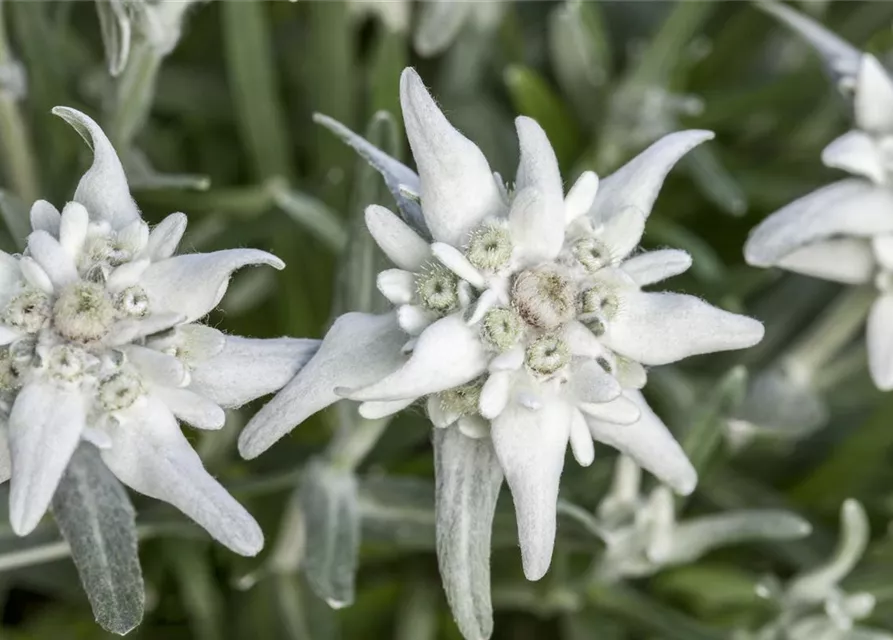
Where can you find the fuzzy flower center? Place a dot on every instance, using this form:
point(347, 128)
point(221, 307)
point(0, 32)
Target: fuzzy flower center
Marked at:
point(29, 311)
point(501, 328)
point(490, 247)
point(462, 401)
point(119, 391)
point(592, 254)
point(546, 355)
point(438, 289)
point(544, 297)
point(84, 312)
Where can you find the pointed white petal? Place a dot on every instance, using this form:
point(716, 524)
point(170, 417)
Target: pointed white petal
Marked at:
point(856, 152)
point(509, 361)
point(660, 328)
point(457, 186)
point(134, 236)
point(52, 258)
point(842, 57)
point(403, 246)
point(73, 226)
point(495, 394)
point(848, 260)
point(165, 237)
point(455, 261)
point(192, 343)
point(192, 408)
point(150, 455)
point(449, 353)
point(654, 266)
point(45, 217)
point(849, 207)
point(581, 440)
point(637, 183)
point(468, 481)
point(194, 283)
point(622, 231)
point(398, 177)
point(131, 330)
point(10, 275)
point(621, 410)
point(103, 189)
point(248, 368)
point(540, 231)
point(650, 444)
point(378, 410)
point(99, 439)
point(8, 335)
point(873, 102)
point(530, 446)
point(590, 383)
point(882, 246)
point(436, 414)
point(358, 350)
point(414, 319)
point(35, 275)
point(45, 427)
point(580, 197)
point(397, 285)
point(582, 342)
point(529, 207)
point(488, 299)
point(127, 275)
point(157, 367)
point(880, 342)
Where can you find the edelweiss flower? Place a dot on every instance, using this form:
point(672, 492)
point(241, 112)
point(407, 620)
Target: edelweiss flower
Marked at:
point(520, 317)
point(844, 232)
point(643, 536)
point(100, 343)
point(812, 605)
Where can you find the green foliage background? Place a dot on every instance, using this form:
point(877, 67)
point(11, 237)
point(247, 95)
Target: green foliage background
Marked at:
point(234, 102)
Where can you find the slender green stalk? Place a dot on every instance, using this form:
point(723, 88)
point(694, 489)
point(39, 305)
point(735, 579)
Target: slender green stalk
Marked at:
point(134, 96)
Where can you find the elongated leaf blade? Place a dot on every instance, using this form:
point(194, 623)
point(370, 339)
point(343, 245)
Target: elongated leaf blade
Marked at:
point(97, 520)
point(331, 509)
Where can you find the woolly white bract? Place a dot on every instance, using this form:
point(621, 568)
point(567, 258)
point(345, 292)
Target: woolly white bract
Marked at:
point(100, 343)
point(520, 317)
point(844, 232)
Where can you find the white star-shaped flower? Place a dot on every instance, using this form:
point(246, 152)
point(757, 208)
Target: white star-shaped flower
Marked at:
point(98, 322)
point(520, 316)
point(844, 232)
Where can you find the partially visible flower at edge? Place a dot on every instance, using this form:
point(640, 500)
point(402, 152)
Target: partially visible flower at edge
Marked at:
point(100, 343)
point(844, 232)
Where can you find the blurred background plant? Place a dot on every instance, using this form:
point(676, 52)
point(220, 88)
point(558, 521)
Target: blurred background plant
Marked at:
point(211, 105)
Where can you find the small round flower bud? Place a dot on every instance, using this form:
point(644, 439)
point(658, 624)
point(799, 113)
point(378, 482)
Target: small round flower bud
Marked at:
point(132, 302)
point(592, 254)
point(544, 297)
point(438, 288)
point(462, 401)
point(490, 247)
point(29, 311)
point(21, 354)
point(501, 328)
point(546, 355)
point(66, 363)
point(600, 300)
point(83, 312)
point(119, 391)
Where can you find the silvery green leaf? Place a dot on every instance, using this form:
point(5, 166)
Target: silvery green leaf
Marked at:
point(96, 518)
point(332, 517)
point(468, 481)
point(312, 214)
point(816, 585)
point(693, 538)
point(715, 181)
point(438, 25)
point(703, 438)
point(115, 28)
point(141, 175)
point(15, 217)
point(302, 615)
point(397, 176)
point(580, 52)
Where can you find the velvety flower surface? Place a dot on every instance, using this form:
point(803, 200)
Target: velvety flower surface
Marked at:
point(844, 232)
point(520, 317)
point(98, 322)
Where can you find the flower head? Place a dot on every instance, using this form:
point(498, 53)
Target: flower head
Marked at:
point(495, 336)
point(100, 342)
point(844, 232)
